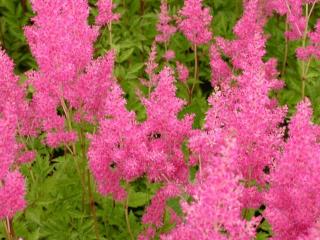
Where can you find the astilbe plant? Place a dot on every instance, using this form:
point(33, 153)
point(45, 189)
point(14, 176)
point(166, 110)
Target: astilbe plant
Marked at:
point(14, 124)
point(243, 105)
point(293, 198)
point(240, 142)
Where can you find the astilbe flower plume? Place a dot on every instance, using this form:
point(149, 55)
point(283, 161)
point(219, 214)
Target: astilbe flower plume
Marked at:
point(165, 30)
point(106, 16)
point(220, 71)
point(183, 72)
point(215, 212)
point(313, 50)
point(67, 79)
point(243, 106)
point(13, 118)
point(195, 22)
point(123, 149)
point(293, 199)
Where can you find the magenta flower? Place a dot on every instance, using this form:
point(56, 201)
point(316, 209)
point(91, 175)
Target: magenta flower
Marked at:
point(106, 16)
point(195, 22)
point(165, 30)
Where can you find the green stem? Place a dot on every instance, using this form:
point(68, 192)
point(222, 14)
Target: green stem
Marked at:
point(305, 66)
point(127, 216)
point(73, 151)
point(9, 229)
point(110, 34)
point(195, 72)
point(285, 51)
point(92, 207)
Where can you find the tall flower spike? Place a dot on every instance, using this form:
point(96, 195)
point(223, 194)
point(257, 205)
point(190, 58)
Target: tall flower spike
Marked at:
point(165, 30)
point(195, 22)
point(293, 201)
point(165, 131)
point(106, 16)
point(243, 107)
point(220, 71)
point(215, 212)
point(69, 83)
point(118, 150)
point(13, 110)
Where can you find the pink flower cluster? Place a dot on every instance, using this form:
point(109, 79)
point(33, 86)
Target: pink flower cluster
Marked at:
point(293, 199)
point(165, 30)
point(14, 122)
point(106, 16)
point(240, 139)
point(67, 79)
point(195, 22)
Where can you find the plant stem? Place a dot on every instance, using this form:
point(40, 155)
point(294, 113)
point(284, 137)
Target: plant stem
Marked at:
point(73, 151)
point(127, 216)
point(9, 229)
point(92, 207)
point(285, 51)
point(110, 34)
point(195, 72)
point(305, 66)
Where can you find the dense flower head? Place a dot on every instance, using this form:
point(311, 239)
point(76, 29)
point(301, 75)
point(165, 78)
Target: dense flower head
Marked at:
point(106, 16)
point(12, 191)
point(124, 149)
point(247, 50)
point(60, 38)
point(155, 211)
point(243, 106)
point(13, 110)
point(220, 71)
point(165, 30)
point(195, 22)
point(165, 131)
point(117, 151)
point(294, 196)
point(215, 212)
point(69, 84)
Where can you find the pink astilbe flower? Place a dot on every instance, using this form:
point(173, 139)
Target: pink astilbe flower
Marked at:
point(106, 16)
point(215, 212)
point(118, 150)
point(165, 30)
point(293, 201)
point(220, 71)
point(12, 192)
point(313, 233)
point(122, 149)
point(249, 47)
point(243, 106)
point(165, 132)
point(151, 66)
point(68, 84)
point(183, 72)
point(314, 48)
point(13, 110)
point(195, 22)
point(155, 211)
